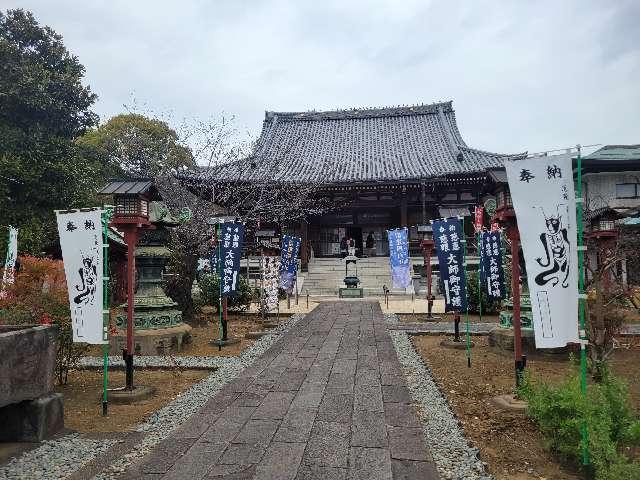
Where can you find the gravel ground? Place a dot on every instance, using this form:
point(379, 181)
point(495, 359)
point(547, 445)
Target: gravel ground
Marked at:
point(168, 361)
point(454, 457)
point(53, 459)
point(57, 459)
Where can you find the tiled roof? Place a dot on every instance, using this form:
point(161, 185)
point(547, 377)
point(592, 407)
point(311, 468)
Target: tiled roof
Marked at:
point(616, 152)
point(365, 145)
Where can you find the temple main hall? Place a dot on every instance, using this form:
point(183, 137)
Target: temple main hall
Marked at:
point(382, 168)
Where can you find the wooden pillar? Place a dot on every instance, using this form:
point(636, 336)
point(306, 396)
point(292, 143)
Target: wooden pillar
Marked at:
point(403, 208)
point(304, 247)
point(423, 199)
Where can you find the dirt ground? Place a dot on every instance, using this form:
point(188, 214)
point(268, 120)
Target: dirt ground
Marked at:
point(83, 408)
point(447, 317)
point(237, 326)
point(508, 442)
point(83, 400)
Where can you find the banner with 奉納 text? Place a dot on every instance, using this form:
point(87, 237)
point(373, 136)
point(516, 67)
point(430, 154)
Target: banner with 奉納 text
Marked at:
point(270, 281)
point(289, 262)
point(10, 261)
point(82, 251)
point(399, 257)
point(231, 238)
point(543, 198)
point(448, 236)
point(491, 270)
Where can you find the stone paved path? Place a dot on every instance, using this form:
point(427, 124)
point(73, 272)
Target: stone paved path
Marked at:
point(328, 402)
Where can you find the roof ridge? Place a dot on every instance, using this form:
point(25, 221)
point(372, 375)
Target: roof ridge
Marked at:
point(449, 134)
point(487, 152)
point(367, 112)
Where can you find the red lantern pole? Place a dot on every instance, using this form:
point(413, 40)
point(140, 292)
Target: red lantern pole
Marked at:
point(131, 239)
point(520, 360)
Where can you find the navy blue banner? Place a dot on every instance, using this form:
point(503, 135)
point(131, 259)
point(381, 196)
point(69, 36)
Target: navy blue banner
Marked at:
point(231, 239)
point(448, 236)
point(491, 265)
point(289, 261)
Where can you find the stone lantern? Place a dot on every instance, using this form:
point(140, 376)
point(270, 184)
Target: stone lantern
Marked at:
point(158, 324)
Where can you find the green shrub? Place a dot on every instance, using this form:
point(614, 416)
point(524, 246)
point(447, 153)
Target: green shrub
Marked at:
point(210, 287)
point(561, 411)
point(489, 306)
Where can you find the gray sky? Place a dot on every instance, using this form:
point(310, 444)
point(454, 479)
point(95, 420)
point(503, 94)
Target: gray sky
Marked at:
point(522, 75)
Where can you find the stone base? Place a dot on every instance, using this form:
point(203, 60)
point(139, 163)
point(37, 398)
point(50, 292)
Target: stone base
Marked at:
point(32, 420)
point(224, 343)
point(509, 403)
point(461, 345)
point(159, 341)
point(121, 396)
point(255, 335)
point(351, 293)
point(502, 338)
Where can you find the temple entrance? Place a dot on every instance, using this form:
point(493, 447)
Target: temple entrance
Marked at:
point(356, 234)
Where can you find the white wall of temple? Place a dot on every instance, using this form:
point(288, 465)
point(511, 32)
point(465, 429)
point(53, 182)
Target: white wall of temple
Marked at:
point(611, 188)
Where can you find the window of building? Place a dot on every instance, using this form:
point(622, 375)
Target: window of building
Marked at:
point(627, 190)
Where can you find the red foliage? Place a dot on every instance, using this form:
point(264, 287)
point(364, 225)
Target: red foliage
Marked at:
point(39, 293)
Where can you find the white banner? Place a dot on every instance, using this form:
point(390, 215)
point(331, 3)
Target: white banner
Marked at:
point(544, 201)
point(81, 244)
point(10, 261)
point(271, 280)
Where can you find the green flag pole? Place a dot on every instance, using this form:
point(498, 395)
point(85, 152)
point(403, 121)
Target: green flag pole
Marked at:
point(464, 266)
point(106, 216)
point(582, 298)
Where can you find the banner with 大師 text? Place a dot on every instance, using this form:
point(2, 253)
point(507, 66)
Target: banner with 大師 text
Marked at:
point(231, 238)
point(492, 273)
point(448, 236)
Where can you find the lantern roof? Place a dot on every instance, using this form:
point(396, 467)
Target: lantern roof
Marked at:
point(137, 186)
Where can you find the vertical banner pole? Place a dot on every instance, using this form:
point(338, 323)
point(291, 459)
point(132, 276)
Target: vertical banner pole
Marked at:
point(106, 214)
point(131, 239)
point(479, 279)
point(581, 306)
point(218, 245)
point(464, 266)
point(515, 291)
point(429, 281)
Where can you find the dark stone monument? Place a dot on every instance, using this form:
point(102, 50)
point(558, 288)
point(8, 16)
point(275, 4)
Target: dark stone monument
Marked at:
point(29, 411)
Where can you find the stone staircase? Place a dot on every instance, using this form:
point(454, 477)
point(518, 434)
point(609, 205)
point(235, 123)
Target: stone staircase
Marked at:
point(326, 275)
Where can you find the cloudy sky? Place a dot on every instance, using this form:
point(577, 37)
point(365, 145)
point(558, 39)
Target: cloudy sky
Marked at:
point(522, 75)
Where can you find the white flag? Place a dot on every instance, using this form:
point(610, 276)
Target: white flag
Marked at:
point(81, 244)
point(544, 201)
point(271, 280)
point(10, 261)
